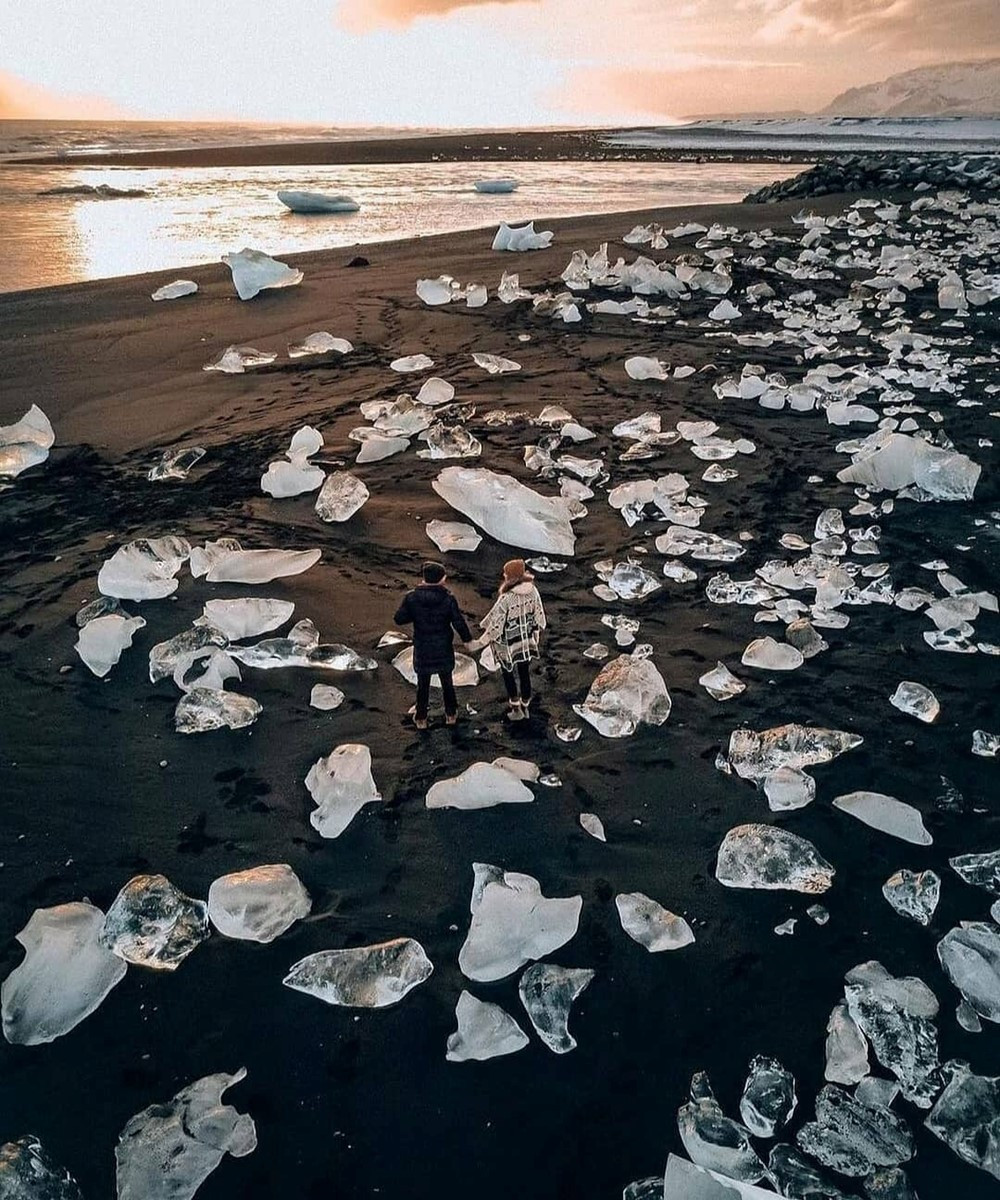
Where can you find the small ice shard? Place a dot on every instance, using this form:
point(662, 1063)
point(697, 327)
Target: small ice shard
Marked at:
point(786, 928)
point(597, 651)
point(26, 443)
point(340, 497)
point(593, 825)
point(341, 785)
point(495, 364)
point(204, 709)
point(968, 1018)
point(259, 904)
point(768, 1099)
point(951, 292)
point(175, 290)
point(435, 391)
point(725, 310)
point(631, 581)
point(985, 745)
point(362, 976)
point(640, 368)
point(901, 461)
point(377, 446)
point(650, 924)
point(144, 569)
point(715, 1141)
point(175, 464)
point(768, 655)
point(916, 701)
point(685, 1181)
point(721, 683)
point(449, 441)
point(507, 510)
point(650, 1188)
point(102, 641)
point(912, 895)
point(770, 858)
point(246, 617)
point(851, 1137)
point(284, 479)
point(513, 923)
point(796, 1176)
point(981, 870)
point(466, 672)
point(317, 202)
point(320, 342)
point(483, 785)
point(453, 535)
point(788, 788)
point(437, 291)
point(153, 924)
point(496, 187)
point(183, 649)
point(547, 993)
point(254, 271)
point(235, 360)
point(167, 1151)
point(411, 362)
point(65, 974)
point(970, 956)
point(252, 566)
point(29, 1172)
point(628, 691)
point(484, 1031)
point(846, 1048)
point(755, 755)
point(966, 1118)
point(325, 697)
point(886, 814)
point(802, 635)
point(521, 237)
point(817, 913)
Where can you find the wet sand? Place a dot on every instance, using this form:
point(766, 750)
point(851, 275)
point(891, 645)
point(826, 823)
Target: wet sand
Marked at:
point(97, 786)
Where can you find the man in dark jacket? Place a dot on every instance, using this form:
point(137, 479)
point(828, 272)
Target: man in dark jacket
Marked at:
point(433, 612)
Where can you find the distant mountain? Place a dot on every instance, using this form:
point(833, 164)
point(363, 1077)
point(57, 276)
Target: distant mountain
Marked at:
point(962, 89)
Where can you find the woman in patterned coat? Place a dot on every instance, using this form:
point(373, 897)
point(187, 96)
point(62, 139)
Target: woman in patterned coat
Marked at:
point(512, 627)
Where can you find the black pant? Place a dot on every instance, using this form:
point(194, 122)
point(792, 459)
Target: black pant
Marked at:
point(424, 693)
point(511, 682)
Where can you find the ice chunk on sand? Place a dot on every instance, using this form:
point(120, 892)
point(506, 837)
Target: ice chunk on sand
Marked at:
point(246, 617)
point(175, 464)
point(912, 895)
point(628, 691)
point(254, 271)
point(714, 1140)
point(340, 497)
point(650, 924)
point(985, 744)
point(685, 1181)
point(789, 788)
point(764, 856)
point(513, 923)
point(167, 1151)
point(341, 785)
point(639, 367)
point(795, 1176)
point(547, 993)
point(411, 362)
point(495, 364)
point(846, 1047)
point(592, 824)
point(204, 709)
point(466, 672)
point(966, 1118)
point(484, 1031)
point(768, 1099)
point(483, 785)
point(970, 956)
point(153, 924)
point(851, 1137)
point(376, 446)
point(721, 683)
point(144, 569)
point(317, 202)
point(725, 310)
point(916, 701)
point(102, 641)
point(768, 655)
point(325, 698)
point(319, 342)
point(229, 565)
point(284, 479)
point(755, 755)
point(65, 974)
point(886, 814)
point(507, 510)
point(362, 976)
point(902, 461)
point(437, 291)
point(981, 870)
point(258, 904)
point(235, 360)
point(175, 290)
point(452, 535)
point(29, 1172)
point(521, 237)
point(496, 187)
point(26, 443)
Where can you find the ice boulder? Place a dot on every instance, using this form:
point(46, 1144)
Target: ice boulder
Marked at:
point(254, 271)
point(259, 904)
point(153, 924)
point(26, 443)
point(484, 1031)
point(341, 785)
point(521, 237)
point(767, 857)
point(902, 461)
point(627, 692)
point(363, 976)
point(315, 202)
point(507, 510)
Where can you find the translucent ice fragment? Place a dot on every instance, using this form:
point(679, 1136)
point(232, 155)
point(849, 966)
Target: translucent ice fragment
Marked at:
point(970, 956)
point(650, 924)
point(236, 360)
point(640, 368)
point(484, 1031)
point(483, 785)
point(284, 479)
point(320, 342)
point(912, 895)
point(204, 709)
point(175, 290)
point(341, 785)
point(851, 1137)
point(886, 814)
point(916, 701)
point(495, 364)
point(755, 755)
point(767, 857)
point(846, 1048)
point(102, 641)
point(628, 691)
point(768, 655)
point(256, 566)
point(789, 788)
point(325, 698)
point(453, 535)
point(246, 617)
point(521, 237)
point(26, 443)
point(153, 924)
point(547, 993)
point(411, 362)
point(253, 272)
point(768, 1099)
point(258, 904)
point(715, 1141)
point(176, 464)
point(966, 1118)
point(363, 976)
point(437, 291)
point(340, 497)
point(144, 569)
point(593, 825)
point(507, 510)
point(29, 1172)
point(981, 870)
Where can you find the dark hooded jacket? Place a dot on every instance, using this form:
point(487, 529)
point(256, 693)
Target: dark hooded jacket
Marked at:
point(433, 612)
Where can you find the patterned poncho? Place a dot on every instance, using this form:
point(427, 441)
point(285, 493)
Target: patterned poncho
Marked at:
point(512, 625)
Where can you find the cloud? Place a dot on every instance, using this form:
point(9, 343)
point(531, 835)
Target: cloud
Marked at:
point(363, 16)
point(22, 101)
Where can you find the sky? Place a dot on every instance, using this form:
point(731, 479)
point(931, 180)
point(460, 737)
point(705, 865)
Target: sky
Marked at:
point(466, 62)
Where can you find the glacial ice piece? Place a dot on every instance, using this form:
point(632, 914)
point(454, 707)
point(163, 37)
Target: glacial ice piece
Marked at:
point(235, 360)
point(325, 698)
point(507, 510)
point(204, 709)
point(984, 744)
point(484, 1031)
point(755, 755)
point(153, 924)
point(650, 924)
point(377, 446)
point(340, 497)
point(981, 870)
point(483, 785)
point(902, 461)
point(284, 479)
point(26, 443)
point(631, 581)
point(183, 649)
point(435, 391)
point(796, 1176)
point(509, 289)
point(362, 976)
point(886, 814)
point(167, 1151)
point(29, 1172)
point(521, 237)
point(102, 641)
point(628, 691)
point(725, 310)
point(496, 187)
point(970, 956)
point(686, 1181)
point(225, 564)
point(65, 974)
point(176, 464)
point(316, 202)
point(705, 547)
point(246, 617)
point(803, 636)
point(770, 858)
point(715, 1141)
point(319, 342)
point(966, 1118)
point(258, 904)
point(788, 788)
point(851, 1137)
point(513, 923)
point(547, 993)
point(254, 271)
point(341, 785)
point(591, 823)
point(916, 701)
point(175, 290)
point(466, 672)
point(495, 364)
point(449, 441)
point(452, 535)
point(437, 291)
point(912, 895)
point(639, 367)
point(411, 362)
point(768, 655)
point(951, 292)
point(144, 569)
point(721, 683)
point(769, 1098)
point(846, 1048)
point(208, 669)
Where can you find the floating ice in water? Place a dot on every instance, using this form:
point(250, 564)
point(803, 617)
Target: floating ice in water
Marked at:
point(254, 271)
point(886, 814)
point(547, 993)
point(153, 924)
point(902, 461)
point(521, 237)
point(411, 362)
point(970, 956)
point(966, 1117)
point(715, 1141)
point(483, 785)
point(912, 895)
point(246, 617)
point(495, 364)
point(851, 1137)
point(627, 692)
point(340, 497)
point(259, 904)
point(846, 1047)
point(593, 825)
point(513, 923)
point(65, 974)
point(916, 701)
point(144, 569)
point(507, 510)
point(29, 1172)
point(320, 342)
point(453, 535)
point(26, 443)
point(203, 709)
point(235, 360)
point(167, 1151)
point(639, 367)
point(341, 785)
point(755, 755)
point(498, 187)
point(325, 697)
point(985, 745)
point(363, 976)
point(650, 924)
point(788, 788)
point(981, 870)
point(768, 655)
point(283, 479)
point(226, 562)
point(764, 856)
point(484, 1031)
point(768, 1099)
point(317, 202)
point(175, 464)
point(466, 672)
point(175, 290)
point(102, 641)
point(437, 291)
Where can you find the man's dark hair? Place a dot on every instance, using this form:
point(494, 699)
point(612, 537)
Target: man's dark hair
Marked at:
point(433, 572)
